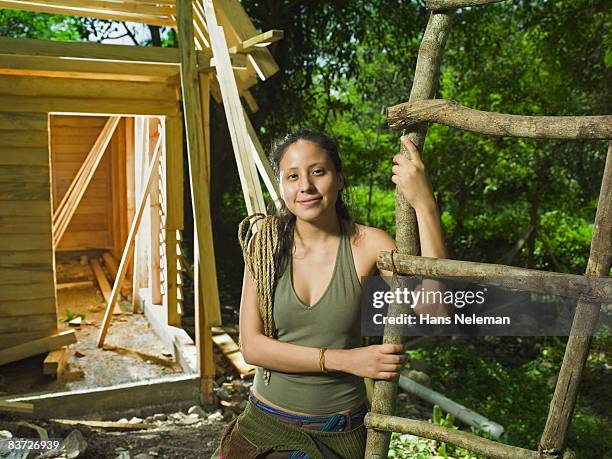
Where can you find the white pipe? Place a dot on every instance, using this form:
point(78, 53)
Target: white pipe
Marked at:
point(460, 412)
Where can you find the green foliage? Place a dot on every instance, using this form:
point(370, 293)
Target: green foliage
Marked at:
point(407, 446)
point(24, 24)
point(71, 315)
point(511, 381)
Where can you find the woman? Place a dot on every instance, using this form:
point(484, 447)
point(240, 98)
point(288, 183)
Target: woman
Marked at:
point(300, 310)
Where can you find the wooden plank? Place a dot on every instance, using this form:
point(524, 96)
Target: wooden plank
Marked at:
point(155, 131)
point(260, 40)
point(25, 275)
point(22, 122)
point(111, 6)
point(238, 27)
point(20, 191)
point(174, 212)
point(10, 308)
point(88, 69)
point(24, 225)
point(20, 242)
point(119, 188)
point(204, 83)
point(24, 154)
point(24, 174)
point(101, 279)
point(107, 425)
point(89, 105)
point(16, 407)
point(55, 363)
point(74, 285)
point(113, 267)
point(174, 173)
point(29, 323)
point(15, 85)
point(129, 178)
point(76, 190)
point(197, 166)
point(37, 346)
point(129, 245)
point(13, 339)
point(76, 136)
point(31, 139)
point(251, 187)
point(263, 164)
point(41, 8)
point(31, 291)
point(231, 351)
point(99, 51)
point(250, 100)
point(140, 164)
point(89, 240)
point(24, 208)
point(12, 259)
point(79, 121)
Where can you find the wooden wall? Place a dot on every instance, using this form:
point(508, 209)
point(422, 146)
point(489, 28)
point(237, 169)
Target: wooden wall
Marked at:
point(27, 194)
point(100, 221)
point(27, 279)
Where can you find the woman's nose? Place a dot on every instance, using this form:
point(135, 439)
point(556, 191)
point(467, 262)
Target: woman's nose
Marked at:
point(305, 183)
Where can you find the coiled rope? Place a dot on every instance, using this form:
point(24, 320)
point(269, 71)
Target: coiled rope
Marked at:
point(258, 238)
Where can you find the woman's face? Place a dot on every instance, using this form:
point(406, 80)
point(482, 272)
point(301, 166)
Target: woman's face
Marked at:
point(309, 184)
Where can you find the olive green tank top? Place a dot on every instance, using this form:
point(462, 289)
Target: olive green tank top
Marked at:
point(332, 322)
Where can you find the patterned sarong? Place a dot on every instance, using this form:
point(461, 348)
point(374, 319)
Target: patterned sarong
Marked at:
point(256, 432)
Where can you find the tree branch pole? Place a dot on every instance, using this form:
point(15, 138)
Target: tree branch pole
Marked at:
point(424, 86)
point(466, 440)
point(585, 320)
point(570, 285)
point(450, 113)
point(437, 5)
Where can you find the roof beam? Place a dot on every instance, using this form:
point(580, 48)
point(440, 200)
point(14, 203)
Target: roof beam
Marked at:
point(86, 12)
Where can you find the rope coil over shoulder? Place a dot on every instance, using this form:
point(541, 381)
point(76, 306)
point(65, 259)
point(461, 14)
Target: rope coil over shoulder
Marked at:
point(258, 238)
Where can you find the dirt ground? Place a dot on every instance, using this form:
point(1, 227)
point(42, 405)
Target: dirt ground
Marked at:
point(175, 435)
point(133, 352)
point(170, 439)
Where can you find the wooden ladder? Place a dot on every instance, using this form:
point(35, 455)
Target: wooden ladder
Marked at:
point(413, 117)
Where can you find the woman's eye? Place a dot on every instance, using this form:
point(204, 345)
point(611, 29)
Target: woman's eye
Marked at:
point(318, 171)
point(292, 176)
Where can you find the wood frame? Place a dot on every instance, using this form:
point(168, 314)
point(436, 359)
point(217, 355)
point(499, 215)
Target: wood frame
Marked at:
point(153, 74)
point(533, 280)
point(407, 235)
point(129, 246)
point(207, 306)
point(76, 190)
point(414, 114)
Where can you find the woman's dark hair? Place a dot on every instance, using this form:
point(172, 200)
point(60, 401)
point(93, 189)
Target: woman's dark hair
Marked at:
point(286, 220)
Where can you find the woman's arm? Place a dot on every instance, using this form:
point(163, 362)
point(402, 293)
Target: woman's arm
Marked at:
point(410, 176)
point(377, 361)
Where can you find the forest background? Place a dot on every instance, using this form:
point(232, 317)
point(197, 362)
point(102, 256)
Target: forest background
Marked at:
point(521, 202)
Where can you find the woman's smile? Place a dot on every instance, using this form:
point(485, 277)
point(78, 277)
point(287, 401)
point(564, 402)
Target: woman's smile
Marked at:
point(310, 202)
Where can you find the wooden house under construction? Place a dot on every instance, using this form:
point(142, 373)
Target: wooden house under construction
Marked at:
point(91, 157)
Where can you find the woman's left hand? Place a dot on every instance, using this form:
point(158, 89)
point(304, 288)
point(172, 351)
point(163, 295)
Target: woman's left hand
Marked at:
point(410, 176)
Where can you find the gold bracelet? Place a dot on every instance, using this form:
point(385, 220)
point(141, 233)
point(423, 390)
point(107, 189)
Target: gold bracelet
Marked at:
point(322, 359)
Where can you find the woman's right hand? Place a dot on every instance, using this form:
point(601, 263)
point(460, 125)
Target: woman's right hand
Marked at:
point(378, 361)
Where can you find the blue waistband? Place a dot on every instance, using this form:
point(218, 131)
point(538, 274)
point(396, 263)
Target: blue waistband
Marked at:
point(361, 412)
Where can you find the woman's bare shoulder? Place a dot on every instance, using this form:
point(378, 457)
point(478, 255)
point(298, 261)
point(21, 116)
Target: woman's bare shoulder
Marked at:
point(372, 238)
